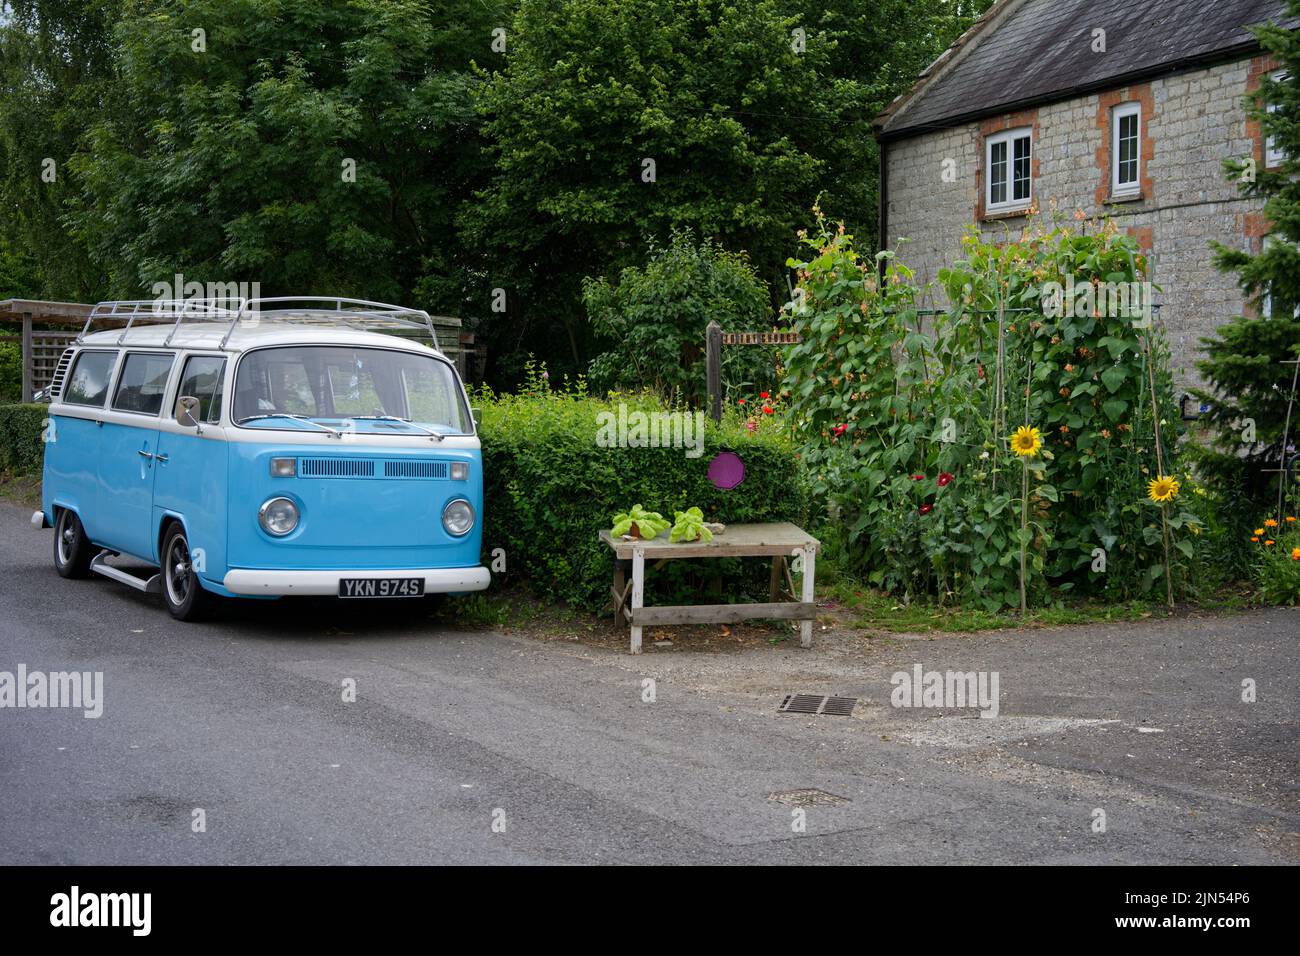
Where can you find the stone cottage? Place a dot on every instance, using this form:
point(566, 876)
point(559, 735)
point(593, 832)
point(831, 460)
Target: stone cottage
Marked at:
point(1124, 108)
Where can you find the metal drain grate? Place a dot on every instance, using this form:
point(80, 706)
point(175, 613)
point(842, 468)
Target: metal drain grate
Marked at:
point(817, 704)
point(810, 797)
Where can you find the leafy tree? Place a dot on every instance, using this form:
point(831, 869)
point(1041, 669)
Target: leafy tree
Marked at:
point(310, 147)
point(653, 320)
point(1247, 383)
point(56, 71)
point(747, 112)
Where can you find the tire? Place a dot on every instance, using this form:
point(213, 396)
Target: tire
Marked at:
point(73, 551)
point(181, 590)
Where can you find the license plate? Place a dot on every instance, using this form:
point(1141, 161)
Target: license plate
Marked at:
point(381, 587)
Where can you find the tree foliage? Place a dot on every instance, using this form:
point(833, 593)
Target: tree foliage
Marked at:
point(1248, 387)
point(652, 322)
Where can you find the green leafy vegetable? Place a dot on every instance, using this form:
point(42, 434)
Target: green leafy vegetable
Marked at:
point(690, 526)
point(639, 523)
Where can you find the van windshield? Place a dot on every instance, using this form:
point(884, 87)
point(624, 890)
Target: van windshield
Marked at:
point(277, 386)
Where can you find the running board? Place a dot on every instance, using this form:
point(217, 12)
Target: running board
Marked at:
point(151, 585)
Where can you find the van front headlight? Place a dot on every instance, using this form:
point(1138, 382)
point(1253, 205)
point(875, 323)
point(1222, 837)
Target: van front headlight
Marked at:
point(278, 516)
point(458, 517)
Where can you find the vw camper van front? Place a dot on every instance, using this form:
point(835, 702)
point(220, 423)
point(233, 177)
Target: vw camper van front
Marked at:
point(283, 447)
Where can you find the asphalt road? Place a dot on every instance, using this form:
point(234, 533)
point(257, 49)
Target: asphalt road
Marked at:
point(474, 747)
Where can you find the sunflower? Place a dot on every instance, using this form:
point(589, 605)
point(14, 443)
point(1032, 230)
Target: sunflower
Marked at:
point(1163, 488)
point(1026, 441)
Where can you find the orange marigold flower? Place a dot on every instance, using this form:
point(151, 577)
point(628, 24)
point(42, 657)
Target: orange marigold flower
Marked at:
point(1269, 542)
point(1295, 554)
point(1270, 523)
point(1254, 537)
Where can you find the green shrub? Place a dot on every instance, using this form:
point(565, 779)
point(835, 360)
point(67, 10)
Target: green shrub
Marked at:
point(11, 372)
point(550, 488)
point(652, 321)
point(21, 430)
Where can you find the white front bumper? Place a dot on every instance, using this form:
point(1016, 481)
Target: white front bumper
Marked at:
point(282, 583)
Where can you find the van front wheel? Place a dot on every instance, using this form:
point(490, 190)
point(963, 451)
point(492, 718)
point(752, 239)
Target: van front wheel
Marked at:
point(185, 597)
point(72, 549)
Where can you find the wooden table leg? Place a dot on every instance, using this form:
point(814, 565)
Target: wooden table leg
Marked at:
point(774, 586)
point(805, 627)
point(638, 595)
point(620, 585)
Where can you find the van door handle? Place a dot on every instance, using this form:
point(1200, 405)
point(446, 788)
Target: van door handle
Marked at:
point(161, 459)
point(145, 454)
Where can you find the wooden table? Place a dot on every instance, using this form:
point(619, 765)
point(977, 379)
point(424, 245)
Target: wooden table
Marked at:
point(777, 540)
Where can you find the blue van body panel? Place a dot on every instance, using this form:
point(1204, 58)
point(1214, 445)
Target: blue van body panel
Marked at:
point(191, 486)
point(125, 487)
point(70, 477)
point(361, 507)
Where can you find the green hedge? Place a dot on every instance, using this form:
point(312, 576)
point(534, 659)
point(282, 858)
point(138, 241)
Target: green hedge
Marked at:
point(550, 488)
point(21, 428)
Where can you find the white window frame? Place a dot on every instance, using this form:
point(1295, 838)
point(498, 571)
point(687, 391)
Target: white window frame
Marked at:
point(1118, 188)
point(1273, 156)
point(1007, 137)
point(1266, 300)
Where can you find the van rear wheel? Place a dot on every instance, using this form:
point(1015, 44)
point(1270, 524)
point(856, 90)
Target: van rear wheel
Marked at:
point(186, 599)
point(73, 551)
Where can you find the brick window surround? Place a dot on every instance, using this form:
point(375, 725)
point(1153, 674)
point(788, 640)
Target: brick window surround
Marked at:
point(990, 127)
point(1106, 103)
point(1260, 66)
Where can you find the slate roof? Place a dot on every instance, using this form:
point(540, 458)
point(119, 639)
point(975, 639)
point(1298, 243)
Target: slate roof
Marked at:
point(1025, 52)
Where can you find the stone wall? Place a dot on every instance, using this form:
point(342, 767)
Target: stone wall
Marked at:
point(1191, 122)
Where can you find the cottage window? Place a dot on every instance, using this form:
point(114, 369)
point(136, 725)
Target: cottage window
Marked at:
point(1006, 161)
point(1126, 150)
point(1273, 153)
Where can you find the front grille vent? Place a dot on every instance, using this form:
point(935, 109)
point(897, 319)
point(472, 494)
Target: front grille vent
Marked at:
point(371, 468)
point(336, 468)
point(415, 469)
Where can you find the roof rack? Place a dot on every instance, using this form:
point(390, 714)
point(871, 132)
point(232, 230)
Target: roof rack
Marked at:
point(160, 311)
point(328, 311)
point(333, 311)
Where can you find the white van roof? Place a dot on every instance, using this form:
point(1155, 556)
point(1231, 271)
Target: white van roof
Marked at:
point(245, 324)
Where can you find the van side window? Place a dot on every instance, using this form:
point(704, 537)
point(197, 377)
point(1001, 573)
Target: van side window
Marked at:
point(88, 384)
point(142, 382)
point(203, 378)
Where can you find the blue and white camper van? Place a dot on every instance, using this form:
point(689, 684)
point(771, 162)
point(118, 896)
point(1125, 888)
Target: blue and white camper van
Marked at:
point(263, 448)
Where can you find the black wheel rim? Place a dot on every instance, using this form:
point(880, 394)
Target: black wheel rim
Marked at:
point(67, 538)
point(178, 571)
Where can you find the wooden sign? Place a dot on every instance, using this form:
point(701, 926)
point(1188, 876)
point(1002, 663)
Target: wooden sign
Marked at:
point(761, 338)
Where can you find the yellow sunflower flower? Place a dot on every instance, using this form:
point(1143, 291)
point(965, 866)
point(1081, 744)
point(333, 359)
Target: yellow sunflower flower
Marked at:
point(1026, 441)
point(1163, 488)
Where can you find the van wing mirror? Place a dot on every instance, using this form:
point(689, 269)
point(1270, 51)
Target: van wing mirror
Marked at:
point(187, 410)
